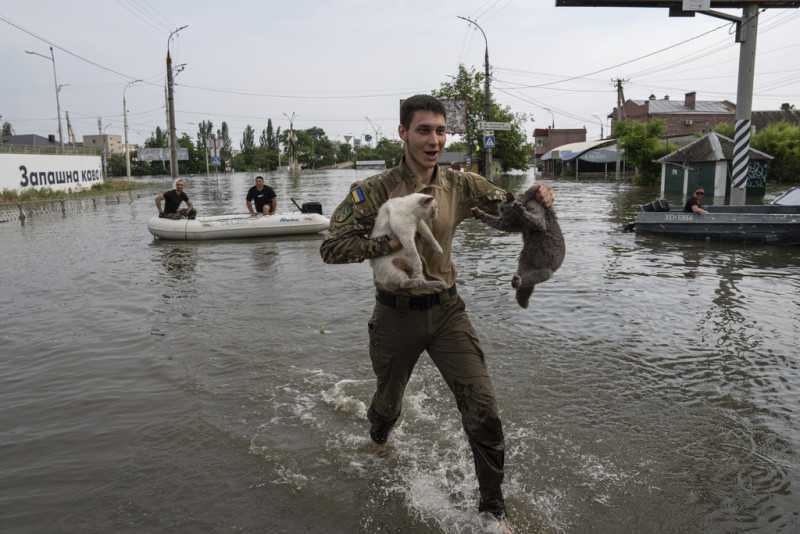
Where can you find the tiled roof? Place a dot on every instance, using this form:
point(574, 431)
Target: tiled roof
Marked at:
point(662, 107)
point(710, 147)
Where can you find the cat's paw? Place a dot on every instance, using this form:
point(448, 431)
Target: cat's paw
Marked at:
point(478, 213)
point(516, 281)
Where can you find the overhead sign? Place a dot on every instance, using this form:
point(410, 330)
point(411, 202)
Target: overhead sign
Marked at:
point(487, 125)
point(488, 141)
point(161, 154)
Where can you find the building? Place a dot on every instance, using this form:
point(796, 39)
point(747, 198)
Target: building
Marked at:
point(683, 119)
point(110, 144)
point(707, 162)
point(544, 140)
point(761, 119)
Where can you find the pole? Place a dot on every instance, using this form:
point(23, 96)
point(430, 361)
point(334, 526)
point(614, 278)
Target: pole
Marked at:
point(125, 115)
point(173, 142)
point(601, 126)
point(746, 35)
point(488, 109)
point(55, 81)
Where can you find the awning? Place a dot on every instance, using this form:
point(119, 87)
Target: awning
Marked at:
point(571, 151)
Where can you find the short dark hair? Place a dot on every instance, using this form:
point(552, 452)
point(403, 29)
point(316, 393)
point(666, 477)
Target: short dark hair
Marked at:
point(262, 178)
point(420, 103)
point(698, 188)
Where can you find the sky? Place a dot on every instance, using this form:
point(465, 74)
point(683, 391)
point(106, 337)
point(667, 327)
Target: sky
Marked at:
point(344, 65)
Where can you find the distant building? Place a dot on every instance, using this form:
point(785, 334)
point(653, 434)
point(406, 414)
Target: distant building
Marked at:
point(112, 144)
point(683, 119)
point(30, 140)
point(545, 140)
point(761, 119)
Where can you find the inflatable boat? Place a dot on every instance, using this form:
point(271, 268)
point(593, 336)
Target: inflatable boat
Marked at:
point(235, 226)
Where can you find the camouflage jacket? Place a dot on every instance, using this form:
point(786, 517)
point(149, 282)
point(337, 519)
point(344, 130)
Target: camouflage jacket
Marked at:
point(456, 193)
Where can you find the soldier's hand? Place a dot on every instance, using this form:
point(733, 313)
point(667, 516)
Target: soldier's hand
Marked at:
point(395, 244)
point(543, 194)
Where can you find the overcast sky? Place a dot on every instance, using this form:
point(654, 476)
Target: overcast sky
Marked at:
point(332, 63)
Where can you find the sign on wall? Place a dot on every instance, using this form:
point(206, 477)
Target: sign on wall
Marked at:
point(161, 154)
point(22, 172)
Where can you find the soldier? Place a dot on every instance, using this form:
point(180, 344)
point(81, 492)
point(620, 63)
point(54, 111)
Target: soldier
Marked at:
point(404, 325)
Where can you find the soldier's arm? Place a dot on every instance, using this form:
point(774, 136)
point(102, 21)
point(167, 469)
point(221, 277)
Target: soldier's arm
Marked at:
point(347, 241)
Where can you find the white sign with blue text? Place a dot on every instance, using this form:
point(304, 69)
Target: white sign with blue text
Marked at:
point(23, 172)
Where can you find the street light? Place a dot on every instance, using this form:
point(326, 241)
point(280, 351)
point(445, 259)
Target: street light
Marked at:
point(105, 151)
point(58, 88)
point(552, 116)
point(601, 125)
point(292, 161)
point(125, 114)
point(488, 110)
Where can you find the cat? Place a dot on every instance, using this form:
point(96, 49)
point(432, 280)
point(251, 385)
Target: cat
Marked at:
point(404, 217)
point(542, 242)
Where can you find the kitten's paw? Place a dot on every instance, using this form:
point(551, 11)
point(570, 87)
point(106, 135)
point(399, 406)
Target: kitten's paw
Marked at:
point(477, 213)
point(516, 281)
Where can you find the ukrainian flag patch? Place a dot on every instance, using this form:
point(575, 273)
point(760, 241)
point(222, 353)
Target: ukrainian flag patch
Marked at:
point(358, 196)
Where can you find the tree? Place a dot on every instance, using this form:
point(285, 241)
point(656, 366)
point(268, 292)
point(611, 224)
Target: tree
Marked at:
point(157, 139)
point(781, 141)
point(640, 143)
point(511, 147)
point(7, 129)
point(248, 144)
point(225, 138)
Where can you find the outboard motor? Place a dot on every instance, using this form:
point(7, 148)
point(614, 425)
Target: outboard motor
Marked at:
point(311, 207)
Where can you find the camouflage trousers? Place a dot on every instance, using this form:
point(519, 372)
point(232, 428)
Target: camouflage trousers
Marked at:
point(182, 214)
point(397, 337)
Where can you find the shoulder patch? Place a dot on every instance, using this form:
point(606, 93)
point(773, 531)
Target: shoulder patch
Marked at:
point(358, 196)
point(343, 213)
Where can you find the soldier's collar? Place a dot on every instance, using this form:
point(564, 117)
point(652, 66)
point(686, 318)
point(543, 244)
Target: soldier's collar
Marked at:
point(408, 174)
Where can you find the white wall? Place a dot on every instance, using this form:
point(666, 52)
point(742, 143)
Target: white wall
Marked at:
point(22, 172)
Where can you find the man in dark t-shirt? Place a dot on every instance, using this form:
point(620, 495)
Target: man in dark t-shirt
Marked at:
point(694, 204)
point(264, 198)
point(172, 201)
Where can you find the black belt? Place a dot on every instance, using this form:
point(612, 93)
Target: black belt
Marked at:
point(414, 303)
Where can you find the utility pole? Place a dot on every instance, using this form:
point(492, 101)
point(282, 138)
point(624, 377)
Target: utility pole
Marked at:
point(125, 114)
point(293, 166)
point(620, 115)
point(173, 142)
point(601, 126)
point(488, 111)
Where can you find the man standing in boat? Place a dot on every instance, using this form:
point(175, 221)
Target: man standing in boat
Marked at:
point(172, 201)
point(264, 198)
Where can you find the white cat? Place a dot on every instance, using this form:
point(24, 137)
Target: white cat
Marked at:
point(404, 217)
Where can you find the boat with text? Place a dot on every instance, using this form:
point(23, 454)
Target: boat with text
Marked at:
point(309, 220)
point(778, 222)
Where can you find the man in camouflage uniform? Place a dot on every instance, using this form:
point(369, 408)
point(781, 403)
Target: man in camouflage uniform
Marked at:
point(403, 325)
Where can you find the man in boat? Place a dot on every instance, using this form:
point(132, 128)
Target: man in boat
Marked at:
point(172, 201)
point(264, 198)
point(694, 205)
point(406, 323)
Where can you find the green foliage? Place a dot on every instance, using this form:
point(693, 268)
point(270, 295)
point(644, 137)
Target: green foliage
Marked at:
point(641, 145)
point(157, 139)
point(781, 141)
point(511, 146)
point(344, 152)
point(388, 150)
point(6, 129)
point(458, 146)
point(108, 186)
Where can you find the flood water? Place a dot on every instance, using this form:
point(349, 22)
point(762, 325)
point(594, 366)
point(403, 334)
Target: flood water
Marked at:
point(152, 386)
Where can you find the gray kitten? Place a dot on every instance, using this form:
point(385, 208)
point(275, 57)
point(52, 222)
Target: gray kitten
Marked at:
point(542, 243)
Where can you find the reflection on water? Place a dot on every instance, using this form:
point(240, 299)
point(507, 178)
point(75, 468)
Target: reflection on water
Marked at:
point(652, 385)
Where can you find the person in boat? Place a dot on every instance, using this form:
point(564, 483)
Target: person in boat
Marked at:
point(694, 204)
point(172, 202)
point(264, 198)
point(408, 322)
